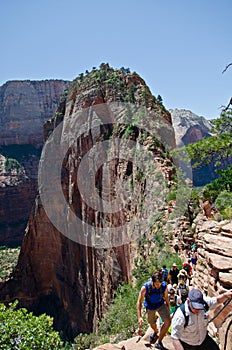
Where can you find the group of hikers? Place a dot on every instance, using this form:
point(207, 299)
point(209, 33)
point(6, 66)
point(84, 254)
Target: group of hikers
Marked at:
point(181, 309)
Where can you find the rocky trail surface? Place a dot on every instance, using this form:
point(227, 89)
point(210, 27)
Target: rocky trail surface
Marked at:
point(136, 343)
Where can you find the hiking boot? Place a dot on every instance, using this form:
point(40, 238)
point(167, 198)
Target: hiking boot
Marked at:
point(160, 346)
point(153, 337)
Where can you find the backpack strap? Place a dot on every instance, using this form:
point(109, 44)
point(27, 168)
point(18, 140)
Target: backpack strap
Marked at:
point(148, 287)
point(206, 306)
point(182, 307)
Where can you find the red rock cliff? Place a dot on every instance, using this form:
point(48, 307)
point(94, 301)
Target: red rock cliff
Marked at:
point(67, 278)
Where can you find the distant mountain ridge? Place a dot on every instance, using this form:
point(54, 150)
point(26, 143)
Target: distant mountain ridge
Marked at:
point(189, 127)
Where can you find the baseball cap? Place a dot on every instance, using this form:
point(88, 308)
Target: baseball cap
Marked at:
point(196, 298)
point(174, 264)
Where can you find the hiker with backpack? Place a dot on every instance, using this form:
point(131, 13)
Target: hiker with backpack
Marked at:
point(165, 273)
point(190, 321)
point(182, 275)
point(188, 268)
point(182, 290)
point(154, 293)
point(173, 273)
point(174, 300)
point(194, 259)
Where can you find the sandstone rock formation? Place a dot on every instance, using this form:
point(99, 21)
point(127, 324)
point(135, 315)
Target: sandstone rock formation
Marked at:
point(135, 343)
point(24, 107)
point(214, 269)
point(62, 277)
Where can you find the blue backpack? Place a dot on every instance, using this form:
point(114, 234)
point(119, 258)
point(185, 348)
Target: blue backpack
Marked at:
point(165, 275)
point(154, 298)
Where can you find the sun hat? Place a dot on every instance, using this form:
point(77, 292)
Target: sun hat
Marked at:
point(196, 298)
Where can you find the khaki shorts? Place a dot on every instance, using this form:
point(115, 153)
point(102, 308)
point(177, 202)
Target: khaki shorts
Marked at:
point(163, 311)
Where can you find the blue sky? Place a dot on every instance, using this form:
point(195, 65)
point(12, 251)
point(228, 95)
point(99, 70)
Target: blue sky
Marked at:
point(179, 47)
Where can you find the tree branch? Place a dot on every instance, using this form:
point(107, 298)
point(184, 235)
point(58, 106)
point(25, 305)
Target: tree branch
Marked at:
point(228, 65)
point(229, 104)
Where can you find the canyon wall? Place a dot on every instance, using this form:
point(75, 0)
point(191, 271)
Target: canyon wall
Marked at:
point(24, 108)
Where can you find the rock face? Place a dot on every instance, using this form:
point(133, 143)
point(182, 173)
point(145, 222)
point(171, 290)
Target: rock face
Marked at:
point(73, 281)
point(214, 268)
point(24, 107)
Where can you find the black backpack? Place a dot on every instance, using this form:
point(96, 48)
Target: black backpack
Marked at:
point(172, 299)
point(183, 292)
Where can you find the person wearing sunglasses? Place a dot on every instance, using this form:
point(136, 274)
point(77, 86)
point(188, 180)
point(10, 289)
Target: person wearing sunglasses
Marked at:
point(190, 321)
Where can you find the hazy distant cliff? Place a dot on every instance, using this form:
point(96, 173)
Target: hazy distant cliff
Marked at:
point(24, 108)
point(190, 128)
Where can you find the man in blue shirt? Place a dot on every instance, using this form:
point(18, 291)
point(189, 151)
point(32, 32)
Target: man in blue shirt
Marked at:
point(155, 293)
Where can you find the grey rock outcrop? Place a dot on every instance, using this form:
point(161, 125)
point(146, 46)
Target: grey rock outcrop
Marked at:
point(189, 127)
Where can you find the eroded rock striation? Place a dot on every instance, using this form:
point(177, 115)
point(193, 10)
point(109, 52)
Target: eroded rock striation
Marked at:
point(214, 269)
point(24, 108)
point(74, 279)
